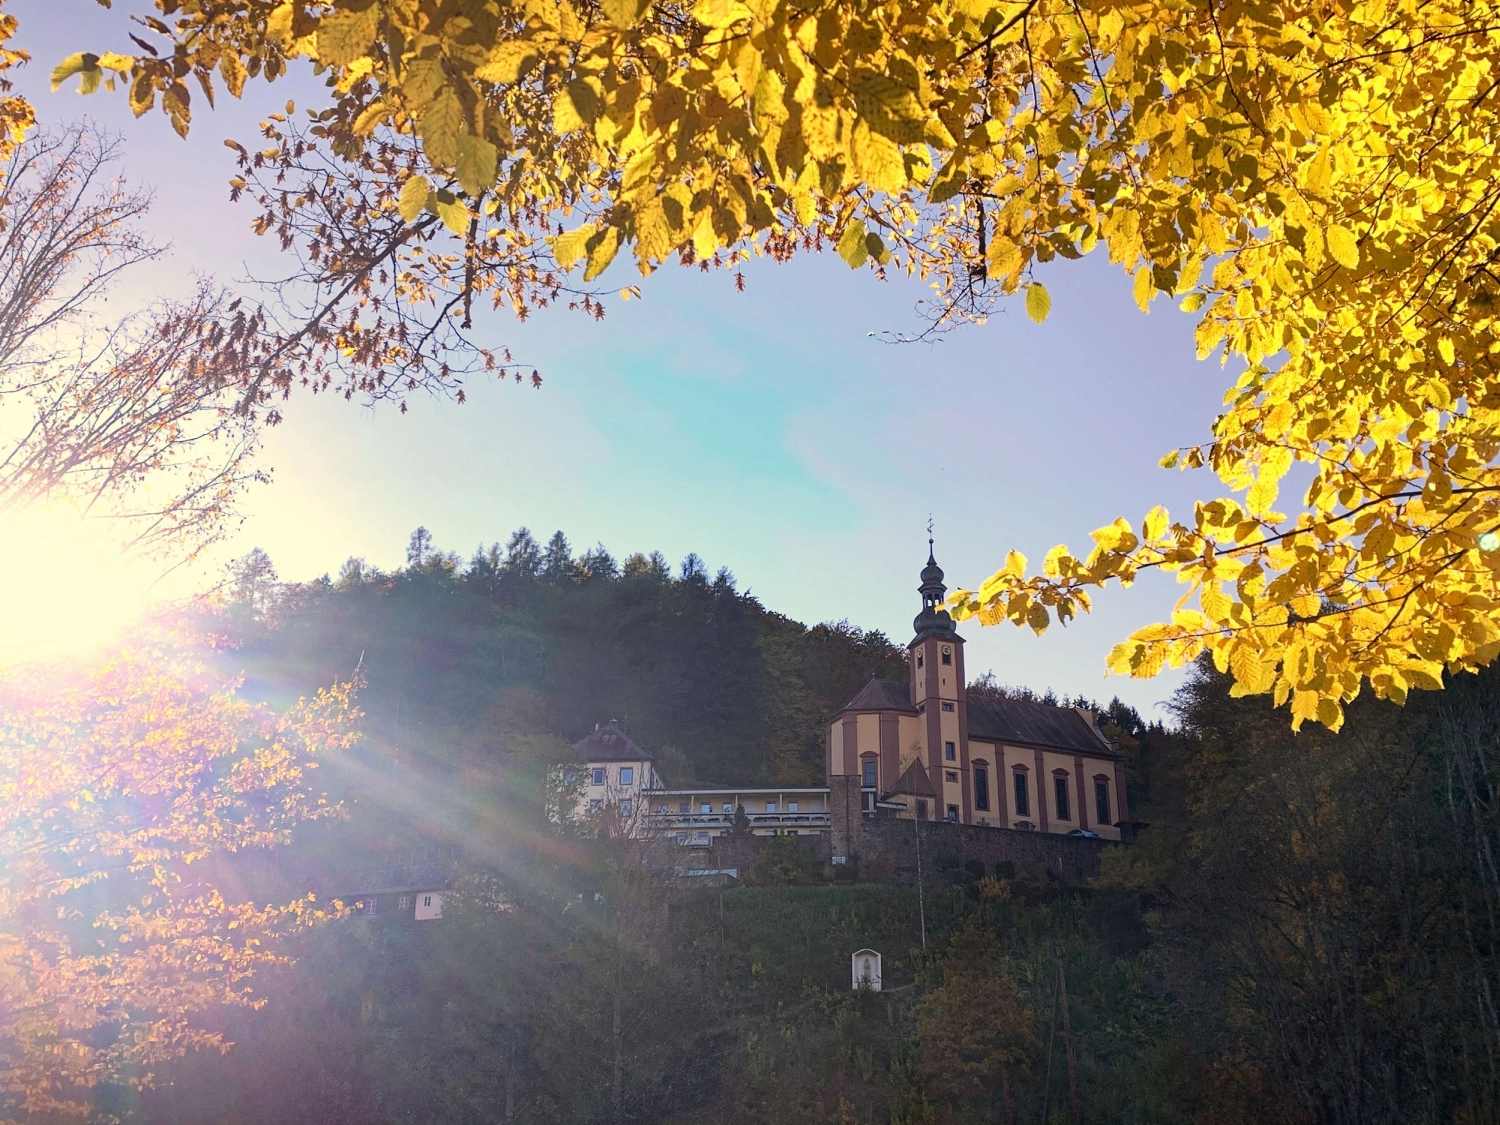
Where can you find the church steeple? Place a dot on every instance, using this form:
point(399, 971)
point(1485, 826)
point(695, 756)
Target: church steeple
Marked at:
point(934, 620)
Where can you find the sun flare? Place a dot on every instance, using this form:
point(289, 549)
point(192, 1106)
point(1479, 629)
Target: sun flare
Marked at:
point(66, 585)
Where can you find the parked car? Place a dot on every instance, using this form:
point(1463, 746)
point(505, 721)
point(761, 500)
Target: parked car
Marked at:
point(1086, 834)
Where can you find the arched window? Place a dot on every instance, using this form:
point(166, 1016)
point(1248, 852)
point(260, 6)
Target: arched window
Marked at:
point(869, 772)
point(1060, 791)
point(1023, 792)
point(1101, 800)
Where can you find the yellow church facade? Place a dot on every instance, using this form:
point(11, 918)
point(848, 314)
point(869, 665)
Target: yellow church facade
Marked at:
point(922, 748)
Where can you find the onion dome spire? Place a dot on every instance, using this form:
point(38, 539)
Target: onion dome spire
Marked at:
point(934, 620)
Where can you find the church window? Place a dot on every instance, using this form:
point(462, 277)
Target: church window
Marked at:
point(1023, 795)
point(947, 707)
point(981, 787)
point(1060, 790)
point(627, 775)
point(867, 768)
point(950, 752)
point(947, 655)
point(599, 777)
point(1101, 800)
point(952, 814)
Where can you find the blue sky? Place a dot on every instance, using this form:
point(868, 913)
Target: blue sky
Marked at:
point(766, 430)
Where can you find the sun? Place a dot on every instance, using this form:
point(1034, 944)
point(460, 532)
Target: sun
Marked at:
point(66, 585)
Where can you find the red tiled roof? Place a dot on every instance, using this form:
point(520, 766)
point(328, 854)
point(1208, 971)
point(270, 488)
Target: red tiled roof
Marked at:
point(609, 744)
point(914, 782)
point(882, 695)
point(1036, 724)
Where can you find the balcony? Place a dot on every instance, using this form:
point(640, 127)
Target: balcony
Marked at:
point(677, 821)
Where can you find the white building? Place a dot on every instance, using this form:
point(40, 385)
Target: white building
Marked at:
point(620, 780)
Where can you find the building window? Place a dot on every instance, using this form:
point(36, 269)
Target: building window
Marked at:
point(950, 775)
point(682, 809)
point(627, 775)
point(947, 707)
point(919, 660)
point(726, 809)
point(595, 805)
point(1023, 795)
point(952, 814)
point(706, 808)
point(950, 752)
point(682, 837)
point(867, 773)
point(406, 902)
point(770, 806)
point(703, 837)
point(1060, 789)
point(661, 810)
point(791, 806)
point(598, 777)
point(867, 802)
point(921, 809)
point(981, 788)
point(1101, 800)
point(791, 831)
point(626, 808)
point(426, 900)
point(947, 655)
point(368, 905)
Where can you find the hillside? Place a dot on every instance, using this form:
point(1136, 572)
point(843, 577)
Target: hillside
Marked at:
point(460, 659)
point(1305, 935)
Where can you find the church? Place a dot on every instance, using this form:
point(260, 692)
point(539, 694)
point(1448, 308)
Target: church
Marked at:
point(915, 749)
point(922, 749)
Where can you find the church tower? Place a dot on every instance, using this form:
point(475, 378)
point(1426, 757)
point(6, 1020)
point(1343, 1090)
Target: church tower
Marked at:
point(936, 656)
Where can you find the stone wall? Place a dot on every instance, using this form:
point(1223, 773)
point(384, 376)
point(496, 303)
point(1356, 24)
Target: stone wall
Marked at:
point(887, 851)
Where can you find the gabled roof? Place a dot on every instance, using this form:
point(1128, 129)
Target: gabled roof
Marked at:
point(882, 695)
point(1036, 724)
point(914, 782)
point(609, 744)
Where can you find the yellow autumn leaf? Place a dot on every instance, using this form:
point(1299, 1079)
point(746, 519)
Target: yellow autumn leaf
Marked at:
point(1343, 246)
point(1038, 301)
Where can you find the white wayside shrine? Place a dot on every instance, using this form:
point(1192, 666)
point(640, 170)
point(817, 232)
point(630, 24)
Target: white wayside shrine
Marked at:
point(866, 970)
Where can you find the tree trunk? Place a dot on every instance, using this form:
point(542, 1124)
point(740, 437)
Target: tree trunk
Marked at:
point(617, 1076)
point(1062, 989)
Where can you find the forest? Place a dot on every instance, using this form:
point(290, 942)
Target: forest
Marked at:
point(1304, 933)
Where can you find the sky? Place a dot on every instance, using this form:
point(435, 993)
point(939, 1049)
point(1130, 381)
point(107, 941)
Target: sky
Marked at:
point(771, 431)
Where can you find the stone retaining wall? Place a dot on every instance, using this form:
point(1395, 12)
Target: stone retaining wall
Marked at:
point(887, 851)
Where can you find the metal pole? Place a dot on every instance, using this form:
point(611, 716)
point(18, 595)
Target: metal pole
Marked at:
point(921, 902)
